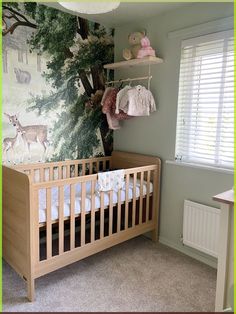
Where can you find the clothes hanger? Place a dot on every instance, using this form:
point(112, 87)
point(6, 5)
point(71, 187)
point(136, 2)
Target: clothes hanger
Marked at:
point(121, 85)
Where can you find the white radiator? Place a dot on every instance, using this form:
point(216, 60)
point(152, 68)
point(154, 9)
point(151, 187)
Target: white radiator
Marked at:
point(201, 227)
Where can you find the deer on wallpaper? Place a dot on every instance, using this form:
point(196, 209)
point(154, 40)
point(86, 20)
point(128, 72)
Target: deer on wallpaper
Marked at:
point(11, 143)
point(30, 134)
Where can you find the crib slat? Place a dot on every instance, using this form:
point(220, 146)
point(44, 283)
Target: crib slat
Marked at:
point(104, 165)
point(90, 168)
point(127, 201)
point(148, 195)
point(97, 166)
point(50, 173)
point(44, 172)
point(35, 172)
point(102, 216)
point(83, 195)
point(59, 173)
point(61, 219)
point(71, 171)
point(30, 173)
point(83, 169)
point(36, 229)
point(92, 211)
point(49, 223)
point(154, 196)
point(72, 216)
point(40, 174)
point(119, 211)
point(76, 170)
point(68, 171)
point(110, 212)
point(134, 200)
point(141, 199)
point(47, 174)
point(63, 172)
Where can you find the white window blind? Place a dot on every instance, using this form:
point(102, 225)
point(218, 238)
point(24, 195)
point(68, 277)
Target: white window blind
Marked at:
point(205, 123)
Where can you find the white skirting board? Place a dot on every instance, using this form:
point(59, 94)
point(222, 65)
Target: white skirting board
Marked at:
point(208, 260)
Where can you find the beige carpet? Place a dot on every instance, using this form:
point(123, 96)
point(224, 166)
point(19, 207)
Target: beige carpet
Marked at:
point(137, 275)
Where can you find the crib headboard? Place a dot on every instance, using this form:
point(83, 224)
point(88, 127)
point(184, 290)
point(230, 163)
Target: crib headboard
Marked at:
point(124, 160)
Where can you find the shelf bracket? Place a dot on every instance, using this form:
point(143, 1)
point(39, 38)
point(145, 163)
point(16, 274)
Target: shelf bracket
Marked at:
point(149, 75)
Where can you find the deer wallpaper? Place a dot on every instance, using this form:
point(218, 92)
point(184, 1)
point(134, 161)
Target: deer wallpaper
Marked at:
point(53, 82)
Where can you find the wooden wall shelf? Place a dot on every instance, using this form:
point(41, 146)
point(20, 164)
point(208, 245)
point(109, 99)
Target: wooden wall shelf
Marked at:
point(133, 62)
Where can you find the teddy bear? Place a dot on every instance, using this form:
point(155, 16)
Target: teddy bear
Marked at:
point(135, 43)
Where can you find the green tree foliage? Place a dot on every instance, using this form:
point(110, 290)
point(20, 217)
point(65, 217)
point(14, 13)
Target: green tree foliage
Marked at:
point(77, 50)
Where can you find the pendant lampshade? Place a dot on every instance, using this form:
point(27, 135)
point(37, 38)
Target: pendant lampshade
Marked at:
point(90, 7)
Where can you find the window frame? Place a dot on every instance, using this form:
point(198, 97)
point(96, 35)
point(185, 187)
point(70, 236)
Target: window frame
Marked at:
point(189, 160)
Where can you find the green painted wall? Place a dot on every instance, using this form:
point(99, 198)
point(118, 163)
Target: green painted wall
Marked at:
point(155, 135)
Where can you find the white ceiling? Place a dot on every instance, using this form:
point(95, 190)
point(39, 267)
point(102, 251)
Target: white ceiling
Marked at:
point(126, 12)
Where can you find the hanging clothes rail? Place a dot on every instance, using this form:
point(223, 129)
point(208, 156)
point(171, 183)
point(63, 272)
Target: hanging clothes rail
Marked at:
point(133, 63)
point(142, 78)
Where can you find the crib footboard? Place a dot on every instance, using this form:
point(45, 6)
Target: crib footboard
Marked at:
point(16, 224)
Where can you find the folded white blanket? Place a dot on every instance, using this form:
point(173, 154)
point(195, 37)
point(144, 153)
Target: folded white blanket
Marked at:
point(111, 180)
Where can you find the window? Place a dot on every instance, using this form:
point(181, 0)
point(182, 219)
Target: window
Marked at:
point(205, 123)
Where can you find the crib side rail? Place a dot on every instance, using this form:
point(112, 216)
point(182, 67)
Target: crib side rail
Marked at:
point(50, 171)
point(16, 220)
point(91, 177)
point(88, 231)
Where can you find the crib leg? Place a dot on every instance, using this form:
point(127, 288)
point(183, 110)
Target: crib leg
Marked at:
point(155, 235)
point(30, 290)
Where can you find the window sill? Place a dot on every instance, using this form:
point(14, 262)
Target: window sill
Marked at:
point(199, 166)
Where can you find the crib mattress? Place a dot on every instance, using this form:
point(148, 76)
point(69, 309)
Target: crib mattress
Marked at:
point(54, 199)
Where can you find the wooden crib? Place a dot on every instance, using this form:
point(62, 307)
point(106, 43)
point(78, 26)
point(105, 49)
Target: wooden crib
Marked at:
point(36, 243)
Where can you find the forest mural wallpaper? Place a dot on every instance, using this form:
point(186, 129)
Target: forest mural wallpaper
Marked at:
point(53, 82)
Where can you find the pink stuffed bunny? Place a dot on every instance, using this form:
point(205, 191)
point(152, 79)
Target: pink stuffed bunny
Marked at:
point(146, 49)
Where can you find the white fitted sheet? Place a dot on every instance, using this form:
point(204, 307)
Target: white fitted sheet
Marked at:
point(54, 199)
